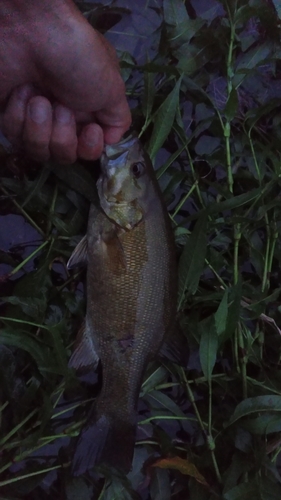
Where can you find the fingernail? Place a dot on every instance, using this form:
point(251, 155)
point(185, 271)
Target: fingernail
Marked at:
point(90, 138)
point(63, 115)
point(38, 112)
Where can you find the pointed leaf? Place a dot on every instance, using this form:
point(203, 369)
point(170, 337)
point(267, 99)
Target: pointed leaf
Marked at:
point(78, 178)
point(192, 259)
point(78, 488)
point(208, 348)
point(148, 95)
point(221, 314)
point(182, 465)
point(244, 491)
point(251, 60)
point(174, 12)
point(32, 306)
point(231, 105)
point(163, 120)
point(159, 400)
point(277, 6)
point(254, 405)
point(160, 488)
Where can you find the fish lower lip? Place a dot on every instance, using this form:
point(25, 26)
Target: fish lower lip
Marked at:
point(111, 199)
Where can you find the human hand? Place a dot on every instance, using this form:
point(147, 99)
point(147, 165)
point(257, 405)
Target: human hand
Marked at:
point(60, 84)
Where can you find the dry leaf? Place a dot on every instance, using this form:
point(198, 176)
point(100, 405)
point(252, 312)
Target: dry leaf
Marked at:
point(183, 465)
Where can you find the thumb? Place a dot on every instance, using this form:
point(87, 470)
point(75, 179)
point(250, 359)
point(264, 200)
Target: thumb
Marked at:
point(115, 121)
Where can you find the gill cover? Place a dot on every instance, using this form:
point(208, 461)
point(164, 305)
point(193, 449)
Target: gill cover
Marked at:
point(122, 183)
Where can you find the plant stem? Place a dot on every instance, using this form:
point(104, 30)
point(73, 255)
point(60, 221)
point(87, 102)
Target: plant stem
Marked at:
point(24, 213)
point(266, 258)
point(192, 401)
point(16, 269)
point(23, 322)
point(52, 209)
point(194, 177)
point(183, 200)
point(274, 238)
point(237, 237)
point(216, 274)
point(25, 476)
point(243, 360)
point(15, 429)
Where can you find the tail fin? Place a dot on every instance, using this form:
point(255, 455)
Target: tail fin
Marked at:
point(105, 439)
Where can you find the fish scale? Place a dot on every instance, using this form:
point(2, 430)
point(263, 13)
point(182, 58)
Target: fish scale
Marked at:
point(131, 299)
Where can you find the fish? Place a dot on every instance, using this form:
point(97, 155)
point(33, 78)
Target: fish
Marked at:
point(130, 255)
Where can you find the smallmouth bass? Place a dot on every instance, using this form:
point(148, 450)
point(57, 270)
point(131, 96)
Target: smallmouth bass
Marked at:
point(131, 299)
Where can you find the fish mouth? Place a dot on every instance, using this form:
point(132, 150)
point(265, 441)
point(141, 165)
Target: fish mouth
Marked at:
point(114, 151)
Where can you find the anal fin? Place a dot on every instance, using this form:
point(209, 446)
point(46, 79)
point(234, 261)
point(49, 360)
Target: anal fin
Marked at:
point(84, 355)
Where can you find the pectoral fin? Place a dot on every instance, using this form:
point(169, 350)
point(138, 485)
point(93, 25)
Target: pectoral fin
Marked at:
point(79, 256)
point(84, 355)
point(112, 250)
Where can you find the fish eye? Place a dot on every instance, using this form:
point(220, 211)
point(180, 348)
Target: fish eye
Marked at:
point(137, 169)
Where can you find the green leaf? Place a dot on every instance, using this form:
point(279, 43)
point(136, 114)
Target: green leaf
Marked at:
point(78, 488)
point(254, 405)
point(231, 105)
point(160, 488)
point(235, 296)
point(264, 424)
point(148, 95)
point(254, 115)
point(178, 35)
point(41, 353)
point(174, 12)
point(260, 489)
point(115, 490)
point(38, 184)
point(245, 491)
point(221, 314)
point(206, 145)
point(192, 260)
point(159, 400)
point(163, 120)
point(32, 306)
point(208, 347)
point(277, 6)
point(154, 378)
point(78, 178)
point(59, 349)
point(251, 60)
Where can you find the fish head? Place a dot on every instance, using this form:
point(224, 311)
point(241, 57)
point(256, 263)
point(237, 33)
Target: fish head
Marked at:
point(124, 182)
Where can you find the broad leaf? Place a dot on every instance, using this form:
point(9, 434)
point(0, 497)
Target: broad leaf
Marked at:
point(192, 260)
point(163, 120)
point(208, 347)
point(257, 404)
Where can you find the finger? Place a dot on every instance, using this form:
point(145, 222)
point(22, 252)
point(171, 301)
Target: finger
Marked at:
point(63, 143)
point(115, 121)
point(90, 142)
point(14, 114)
point(38, 128)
